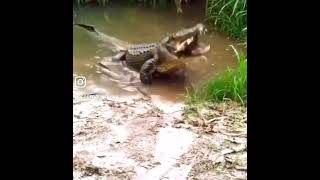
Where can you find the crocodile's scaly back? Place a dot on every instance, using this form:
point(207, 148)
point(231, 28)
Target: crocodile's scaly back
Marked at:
point(137, 54)
point(139, 49)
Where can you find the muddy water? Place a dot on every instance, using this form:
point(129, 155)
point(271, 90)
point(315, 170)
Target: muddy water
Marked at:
point(137, 25)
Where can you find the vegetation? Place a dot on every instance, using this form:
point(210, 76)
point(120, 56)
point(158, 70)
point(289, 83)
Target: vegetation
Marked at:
point(229, 16)
point(231, 84)
point(152, 3)
point(83, 2)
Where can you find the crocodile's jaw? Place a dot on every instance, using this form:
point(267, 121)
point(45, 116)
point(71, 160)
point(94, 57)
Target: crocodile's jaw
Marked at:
point(187, 33)
point(176, 46)
point(190, 47)
point(174, 40)
point(186, 41)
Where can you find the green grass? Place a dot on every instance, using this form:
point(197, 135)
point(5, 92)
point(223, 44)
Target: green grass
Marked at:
point(229, 16)
point(231, 84)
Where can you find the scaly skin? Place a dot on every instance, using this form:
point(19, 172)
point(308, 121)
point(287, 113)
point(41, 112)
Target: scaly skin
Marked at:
point(147, 58)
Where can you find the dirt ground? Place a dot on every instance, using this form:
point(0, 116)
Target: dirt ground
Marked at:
point(139, 138)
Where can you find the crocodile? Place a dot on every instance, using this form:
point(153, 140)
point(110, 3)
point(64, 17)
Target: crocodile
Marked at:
point(162, 57)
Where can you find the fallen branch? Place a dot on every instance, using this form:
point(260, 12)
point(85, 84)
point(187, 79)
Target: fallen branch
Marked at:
point(214, 119)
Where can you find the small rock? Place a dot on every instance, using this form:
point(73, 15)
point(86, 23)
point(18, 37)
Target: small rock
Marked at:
point(177, 121)
point(186, 126)
point(77, 116)
point(111, 104)
point(156, 163)
point(201, 122)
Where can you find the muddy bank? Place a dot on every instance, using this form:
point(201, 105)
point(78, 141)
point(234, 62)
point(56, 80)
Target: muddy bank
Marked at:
point(135, 137)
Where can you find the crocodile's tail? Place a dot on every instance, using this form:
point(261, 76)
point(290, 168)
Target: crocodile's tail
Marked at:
point(111, 42)
point(87, 27)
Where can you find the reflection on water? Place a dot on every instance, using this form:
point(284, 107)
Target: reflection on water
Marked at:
point(143, 25)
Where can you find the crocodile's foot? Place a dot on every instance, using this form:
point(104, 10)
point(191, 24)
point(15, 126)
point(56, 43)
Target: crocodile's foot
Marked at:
point(146, 79)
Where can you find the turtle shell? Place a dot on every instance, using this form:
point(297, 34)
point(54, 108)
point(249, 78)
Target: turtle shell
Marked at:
point(171, 66)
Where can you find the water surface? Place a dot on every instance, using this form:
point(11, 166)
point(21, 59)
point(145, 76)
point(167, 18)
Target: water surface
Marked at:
point(143, 25)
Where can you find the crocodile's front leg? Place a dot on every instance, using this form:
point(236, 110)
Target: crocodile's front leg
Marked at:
point(147, 69)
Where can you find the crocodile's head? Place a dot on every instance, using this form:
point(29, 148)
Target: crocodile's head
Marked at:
point(186, 41)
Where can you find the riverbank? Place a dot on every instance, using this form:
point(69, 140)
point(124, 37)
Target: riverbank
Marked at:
point(141, 138)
